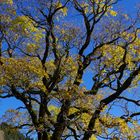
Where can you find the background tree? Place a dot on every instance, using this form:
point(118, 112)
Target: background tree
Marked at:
point(11, 133)
point(45, 56)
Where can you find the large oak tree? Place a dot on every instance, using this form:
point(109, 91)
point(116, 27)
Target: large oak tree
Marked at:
point(74, 65)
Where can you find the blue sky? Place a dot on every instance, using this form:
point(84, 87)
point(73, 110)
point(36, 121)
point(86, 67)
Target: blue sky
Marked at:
point(129, 6)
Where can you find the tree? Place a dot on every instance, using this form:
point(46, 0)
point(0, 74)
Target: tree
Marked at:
point(11, 133)
point(45, 56)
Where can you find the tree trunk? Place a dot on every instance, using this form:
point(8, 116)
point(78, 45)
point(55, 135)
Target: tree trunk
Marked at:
point(1, 135)
point(59, 131)
point(42, 136)
point(61, 121)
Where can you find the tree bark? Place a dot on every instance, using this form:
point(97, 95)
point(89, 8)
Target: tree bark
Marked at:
point(42, 136)
point(1, 135)
point(61, 121)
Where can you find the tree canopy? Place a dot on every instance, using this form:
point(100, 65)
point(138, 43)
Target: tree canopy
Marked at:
point(74, 64)
point(10, 133)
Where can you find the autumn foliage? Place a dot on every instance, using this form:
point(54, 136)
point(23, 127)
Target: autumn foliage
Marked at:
point(75, 66)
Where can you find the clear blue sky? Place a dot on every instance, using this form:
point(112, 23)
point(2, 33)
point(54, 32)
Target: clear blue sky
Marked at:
point(129, 6)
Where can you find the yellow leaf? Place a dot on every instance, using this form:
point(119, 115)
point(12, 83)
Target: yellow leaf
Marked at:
point(58, 5)
point(64, 10)
point(93, 137)
point(113, 13)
